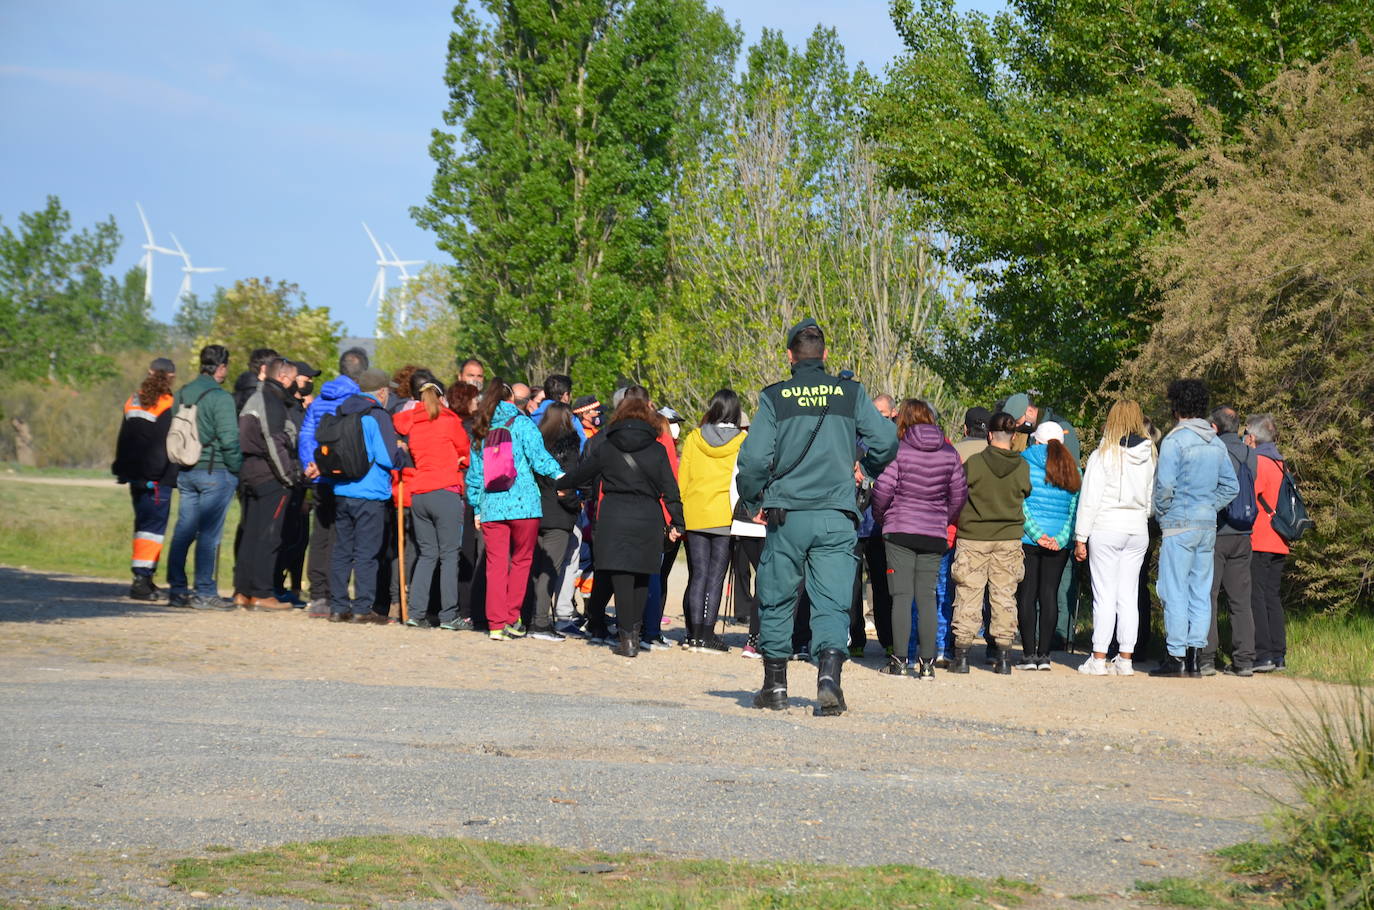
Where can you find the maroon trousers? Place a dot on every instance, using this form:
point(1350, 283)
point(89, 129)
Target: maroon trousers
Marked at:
point(510, 553)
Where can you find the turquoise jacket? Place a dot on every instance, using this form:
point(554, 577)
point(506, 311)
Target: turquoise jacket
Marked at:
point(522, 500)
point(1049, 510)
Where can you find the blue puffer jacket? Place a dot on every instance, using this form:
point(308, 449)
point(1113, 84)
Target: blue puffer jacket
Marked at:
point(1194, 480)
point(332, 394)
point(523, 499)
point(1049, 509)
point(380, 436)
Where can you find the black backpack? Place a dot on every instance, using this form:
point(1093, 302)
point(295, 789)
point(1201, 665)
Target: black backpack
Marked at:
point(1288, 516)
point(1243, 510)
point(340, 447)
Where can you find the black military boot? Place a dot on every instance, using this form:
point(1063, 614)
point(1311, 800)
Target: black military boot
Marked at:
point(144, 589)
point(629, 643)
point(959, 662)
point(773, 695)
point(992, 654)
point(1003, 661)
point(829, 695)
point(1191, 668)
point(1170, 666)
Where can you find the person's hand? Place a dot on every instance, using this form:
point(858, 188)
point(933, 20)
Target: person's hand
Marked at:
point(403, 445)
point(858, 473)
point(477, 523)
point(1080, 551)
point(674, 535)
point(311, 471)
point(1048, 542)
point(759, 519)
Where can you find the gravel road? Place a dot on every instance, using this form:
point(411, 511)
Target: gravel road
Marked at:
point(145, 732)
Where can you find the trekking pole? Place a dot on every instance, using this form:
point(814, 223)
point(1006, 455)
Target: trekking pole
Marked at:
point(401, 542)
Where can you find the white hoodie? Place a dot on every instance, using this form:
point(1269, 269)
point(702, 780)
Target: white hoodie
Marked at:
point(1118, 490)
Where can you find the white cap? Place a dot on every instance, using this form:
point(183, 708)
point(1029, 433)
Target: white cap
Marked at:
point(1049, 431)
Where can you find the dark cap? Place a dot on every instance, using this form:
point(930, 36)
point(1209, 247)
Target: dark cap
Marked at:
point(977, 417)
point(305, 369)
point(584, 403)
point(163, 364)
point(792, 333)
point(373, 380)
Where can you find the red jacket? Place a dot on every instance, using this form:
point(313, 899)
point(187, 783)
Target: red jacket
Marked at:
point(1263, 538)
point(438, 447)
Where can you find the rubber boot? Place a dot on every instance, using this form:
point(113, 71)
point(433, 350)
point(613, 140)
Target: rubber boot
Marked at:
point(959, 662)
point(773, 695)
point(628, 645)
point(1190, 664)
point(829, 695)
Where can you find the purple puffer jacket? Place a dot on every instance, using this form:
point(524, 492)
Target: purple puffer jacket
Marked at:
point(923, 489)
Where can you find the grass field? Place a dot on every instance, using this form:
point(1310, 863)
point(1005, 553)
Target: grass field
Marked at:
point(368, 871)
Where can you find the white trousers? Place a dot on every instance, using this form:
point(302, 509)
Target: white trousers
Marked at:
point(564, 608)
point(1114, 559)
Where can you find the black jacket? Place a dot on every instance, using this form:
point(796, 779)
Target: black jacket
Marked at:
point(560, 511)
point(635, 475)
point(141, 450)
point(244, 387)
point(267, 438)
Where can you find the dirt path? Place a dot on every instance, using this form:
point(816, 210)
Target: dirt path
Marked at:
point(1117, 778)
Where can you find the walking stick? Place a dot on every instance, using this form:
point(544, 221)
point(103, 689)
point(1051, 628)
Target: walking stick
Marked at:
point(401, 542)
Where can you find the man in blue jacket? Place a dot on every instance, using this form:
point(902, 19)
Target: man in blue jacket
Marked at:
point(332, 394)
point(1194, 481)
point(360, 507)
point(558, 388)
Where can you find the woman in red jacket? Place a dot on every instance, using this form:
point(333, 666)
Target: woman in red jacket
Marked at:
point(439, 447)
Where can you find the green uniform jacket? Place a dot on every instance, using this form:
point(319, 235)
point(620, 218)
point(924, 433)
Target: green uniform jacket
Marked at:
point(217, 422)
point(998, 484)
point(787, 415)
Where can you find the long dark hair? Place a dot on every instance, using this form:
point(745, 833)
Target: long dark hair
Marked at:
point(157, 384)
point(556, 424)
point(724, 408)
point(1060, 468)
point(497, 391)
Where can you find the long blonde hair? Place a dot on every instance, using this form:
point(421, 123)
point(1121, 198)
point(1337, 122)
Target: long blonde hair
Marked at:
point(1123, 420)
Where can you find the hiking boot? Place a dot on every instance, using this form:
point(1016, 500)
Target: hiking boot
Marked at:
point(1190, 664)
point(1003, 667)
point(925, 670)
point(773, 695)
point(1242, 670)
point(893, 667)
point(144, 589)
point(829, 695)
point(628, 644)
point(340, 617)
point(1170, 666)
point(959, 662)
point(269, 604)
point(185, 601)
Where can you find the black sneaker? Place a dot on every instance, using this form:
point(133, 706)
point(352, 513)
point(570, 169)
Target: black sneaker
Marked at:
point(894, 667)
point(1264, 666)
point(144, 589)
point(186, 601)
point(925, 670)
point(213, 602)
point(712, 644)
point(1241, 670)
point(1170, 666)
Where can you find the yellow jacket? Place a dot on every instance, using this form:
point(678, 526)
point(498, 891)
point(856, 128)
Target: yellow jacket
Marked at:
point(705, 474)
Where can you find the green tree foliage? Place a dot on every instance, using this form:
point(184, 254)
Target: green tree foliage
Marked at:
point(552, 194)
point(417, 323)
point(786, 217)
point(262, 313)
point(61, 316)
point(1044, 141)
point(1269, 295)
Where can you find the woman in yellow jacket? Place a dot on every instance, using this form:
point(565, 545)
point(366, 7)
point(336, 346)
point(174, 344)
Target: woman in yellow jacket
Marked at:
point(705, 475)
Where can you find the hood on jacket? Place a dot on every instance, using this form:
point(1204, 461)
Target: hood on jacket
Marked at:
point(631, 435)
point(357, 403)
point(924, 436)
point(245, 385)
point(565, 449)
point(1138, 449)
point(1000, 461)
point(1268, 450)
point(1037, 455)
point(1202, 428)
point(338, 388)
point(716, 435)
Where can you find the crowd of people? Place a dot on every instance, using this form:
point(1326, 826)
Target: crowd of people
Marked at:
point(489, 505)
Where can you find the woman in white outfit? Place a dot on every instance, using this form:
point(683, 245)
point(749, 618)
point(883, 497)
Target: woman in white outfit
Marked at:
point(1112, 533)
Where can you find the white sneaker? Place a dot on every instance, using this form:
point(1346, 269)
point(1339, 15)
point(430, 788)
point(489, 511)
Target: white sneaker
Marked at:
point(1093, 666)
point(1121, 666)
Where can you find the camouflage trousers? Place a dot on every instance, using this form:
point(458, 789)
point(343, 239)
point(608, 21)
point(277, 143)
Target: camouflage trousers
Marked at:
point(997, 566)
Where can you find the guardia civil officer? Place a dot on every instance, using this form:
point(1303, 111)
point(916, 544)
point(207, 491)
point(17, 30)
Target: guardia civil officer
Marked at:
point(797, 464)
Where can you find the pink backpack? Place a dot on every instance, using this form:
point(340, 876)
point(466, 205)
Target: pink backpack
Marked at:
point(498, 458)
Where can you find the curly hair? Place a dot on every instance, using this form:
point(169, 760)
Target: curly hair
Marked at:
point(157, 384)
point(460, 397)
point(1188, 397)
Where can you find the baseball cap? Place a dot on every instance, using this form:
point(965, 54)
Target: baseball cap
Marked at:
point(373, 380)
point(305, 369)
point(977, 417)
point(1048, 432)
point(163, 364)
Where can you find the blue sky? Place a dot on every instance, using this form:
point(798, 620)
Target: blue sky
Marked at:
point(260, 133)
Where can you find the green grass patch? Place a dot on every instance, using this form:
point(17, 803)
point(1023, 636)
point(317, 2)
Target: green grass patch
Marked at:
point(1197, 893)
point(84, 530)
point(1331, 648)
point(364, 871)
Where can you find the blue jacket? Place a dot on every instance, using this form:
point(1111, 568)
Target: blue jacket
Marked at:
point(523, 499)
point(538, 416)
point(1195, 479)
point(1049, 510)
point(332, 394)
point(380, 437)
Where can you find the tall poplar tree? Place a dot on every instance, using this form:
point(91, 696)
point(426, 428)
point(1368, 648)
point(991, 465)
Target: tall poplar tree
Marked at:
point(570, 120)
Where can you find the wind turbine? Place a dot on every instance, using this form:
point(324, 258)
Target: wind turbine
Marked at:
point(379, 283)
point(188, 270)
point(149, 249)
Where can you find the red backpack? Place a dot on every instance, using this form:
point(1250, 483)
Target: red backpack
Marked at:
point(498, 458)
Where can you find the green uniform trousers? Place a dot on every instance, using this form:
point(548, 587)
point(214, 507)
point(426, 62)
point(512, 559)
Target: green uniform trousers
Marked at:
point(815, 547)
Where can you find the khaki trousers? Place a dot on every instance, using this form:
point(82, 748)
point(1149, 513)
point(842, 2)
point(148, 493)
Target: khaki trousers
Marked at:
point(997, 566)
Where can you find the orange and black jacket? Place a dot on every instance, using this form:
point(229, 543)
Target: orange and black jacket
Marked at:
point(141, 450)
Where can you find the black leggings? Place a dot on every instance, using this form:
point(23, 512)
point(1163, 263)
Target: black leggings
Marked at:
point(1037, 598)
point(708, 558)
point(631, 591)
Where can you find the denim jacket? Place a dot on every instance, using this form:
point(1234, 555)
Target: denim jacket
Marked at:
point(1195, 479)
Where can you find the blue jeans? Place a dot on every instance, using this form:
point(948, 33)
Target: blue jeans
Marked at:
point(944, 595)
point(1185, 587)
point(205, 498)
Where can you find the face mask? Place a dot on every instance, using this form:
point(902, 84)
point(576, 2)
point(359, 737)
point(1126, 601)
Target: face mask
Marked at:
point(306, 390)
point(674, 429)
